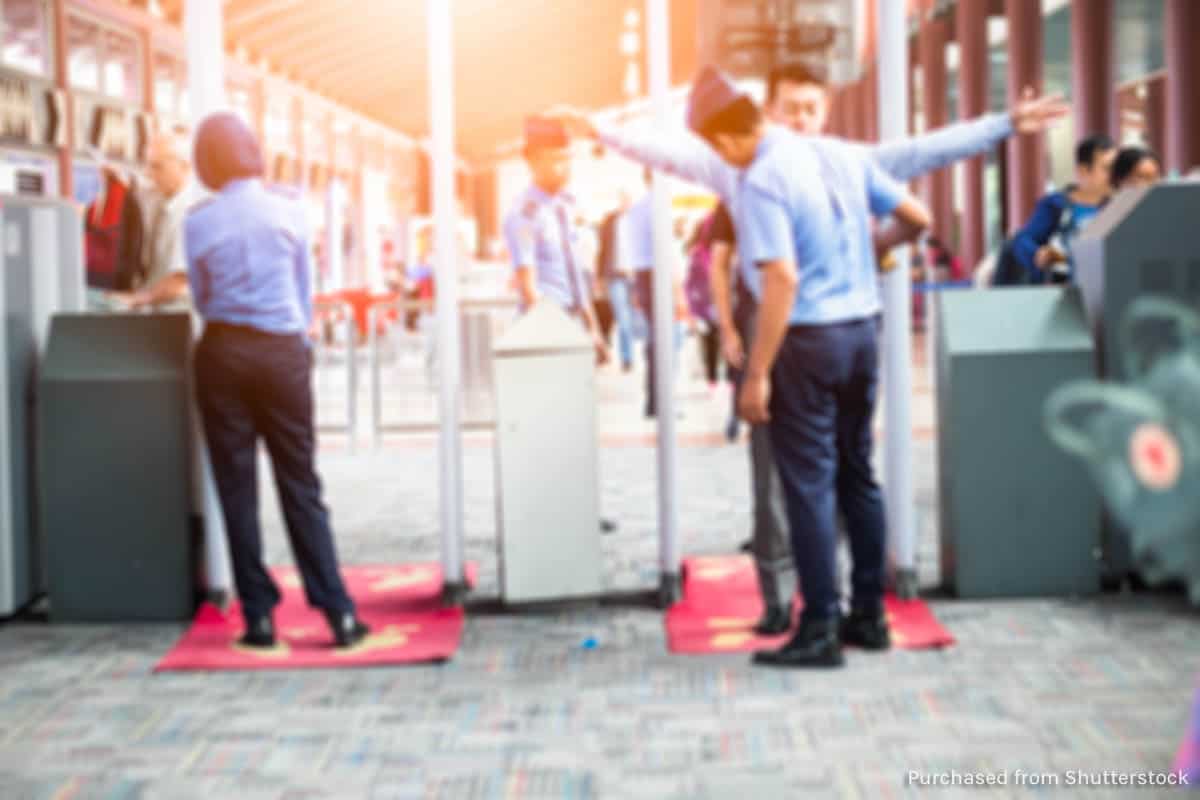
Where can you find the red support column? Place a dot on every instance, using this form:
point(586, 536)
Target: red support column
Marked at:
point(872, 90)
point(1092, 67)
point(1026, 167)
point(66, 161)
point(933, 71)
point(864, 109)
point(852, 112)
point(1182, 22)
point(1156, 114)
point(971, 32)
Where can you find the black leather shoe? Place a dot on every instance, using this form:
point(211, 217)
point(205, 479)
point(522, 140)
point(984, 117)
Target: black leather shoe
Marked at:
point(348, 630)
point(775, 621)
point(259, 633)
point(747, 546)
point(868, 630)
point(814, 645)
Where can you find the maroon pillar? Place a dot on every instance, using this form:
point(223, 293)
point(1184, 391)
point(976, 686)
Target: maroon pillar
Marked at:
point(871, 82)
point(933, 74)
point(856, 111)
point(1092, 67)
point(1182, 22)
point(66, 152)
point(1155, 112)
point(1026, 170)
point(970, 27)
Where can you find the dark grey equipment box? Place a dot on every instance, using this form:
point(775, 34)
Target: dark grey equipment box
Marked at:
point(1145, 242)
point(1019, 517)
point(114, 468)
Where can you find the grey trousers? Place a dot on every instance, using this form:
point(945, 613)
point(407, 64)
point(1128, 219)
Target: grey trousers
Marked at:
point(770, 541)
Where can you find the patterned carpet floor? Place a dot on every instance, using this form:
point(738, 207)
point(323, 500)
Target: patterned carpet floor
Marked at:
point(529, 709)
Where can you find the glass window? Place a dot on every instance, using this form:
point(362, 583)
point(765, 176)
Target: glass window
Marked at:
point(279, 125)
point(83, 54)
point(316, 138)
point(168, 84)
point(121, 73)
point(241, 100)
point(25, 36)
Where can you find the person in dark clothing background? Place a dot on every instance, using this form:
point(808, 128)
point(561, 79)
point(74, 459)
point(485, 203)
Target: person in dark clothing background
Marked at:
point(113, 229)
point(1135, 167)
point(249, 272)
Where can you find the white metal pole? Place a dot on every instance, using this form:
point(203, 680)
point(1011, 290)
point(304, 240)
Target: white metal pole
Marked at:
point(334, 257)
point(658, 48)
point(897, 329)
point(441, 115)
point(206, 89)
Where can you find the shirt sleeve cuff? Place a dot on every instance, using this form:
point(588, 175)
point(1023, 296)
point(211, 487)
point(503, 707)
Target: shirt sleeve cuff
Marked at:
point(1000, 124)
point(608, 134)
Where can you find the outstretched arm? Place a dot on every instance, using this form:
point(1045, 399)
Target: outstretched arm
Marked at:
point(905, 159)
point(684, 156)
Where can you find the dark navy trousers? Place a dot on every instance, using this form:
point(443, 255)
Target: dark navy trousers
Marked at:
point(254, 385)
point(824, 386)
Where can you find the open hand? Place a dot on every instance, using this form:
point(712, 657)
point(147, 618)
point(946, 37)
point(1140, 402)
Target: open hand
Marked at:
point(1033, 114)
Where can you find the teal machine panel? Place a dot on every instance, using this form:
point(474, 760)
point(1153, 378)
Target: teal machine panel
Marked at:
point(1145, 242)
point(41, 273)
point(115, 468)
point(1019, 517)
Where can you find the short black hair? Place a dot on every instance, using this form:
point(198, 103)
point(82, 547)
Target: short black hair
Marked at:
point(1087, 149)
point(1127, 161)
point(739, 118)
point(794, 73)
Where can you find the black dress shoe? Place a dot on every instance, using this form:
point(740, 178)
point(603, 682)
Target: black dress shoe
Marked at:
point(747, 546)
point(259, 633)
point(348, 630)
point(868, 630)
point(775, 621)
point(814, 645)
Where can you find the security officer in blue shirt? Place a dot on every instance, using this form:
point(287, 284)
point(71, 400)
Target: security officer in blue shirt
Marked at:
point(544, 241)
point(249, 272)
point(812, 372)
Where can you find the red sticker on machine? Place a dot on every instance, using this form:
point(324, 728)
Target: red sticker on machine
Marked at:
point(1155, 457)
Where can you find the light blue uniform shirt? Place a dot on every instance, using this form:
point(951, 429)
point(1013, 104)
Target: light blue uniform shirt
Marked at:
point(248, 259)
point(810, 201)
point(637, 235)
point(687, 156)
point(541, 234)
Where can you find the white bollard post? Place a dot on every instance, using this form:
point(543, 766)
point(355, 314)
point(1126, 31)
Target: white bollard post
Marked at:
point(206, 87)
point(897, 329)
point(441, 114)
point(658, 46)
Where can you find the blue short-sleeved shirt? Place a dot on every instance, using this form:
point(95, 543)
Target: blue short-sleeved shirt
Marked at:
point(248, 258)
point(810, 201)
point(541, 234)
point(637, 234)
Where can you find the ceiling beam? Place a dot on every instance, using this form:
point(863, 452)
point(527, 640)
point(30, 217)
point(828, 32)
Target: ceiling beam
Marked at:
point(312, 49)
point(241, 15)
point(303, 18)
point(365, 62)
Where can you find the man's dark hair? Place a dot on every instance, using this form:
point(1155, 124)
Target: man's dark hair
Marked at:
point(1087, 149)
point(1127, 161)
point(794, 73)
point(739, 118)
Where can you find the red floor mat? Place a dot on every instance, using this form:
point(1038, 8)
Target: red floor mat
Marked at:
point(721, 604)
point(401, 604)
